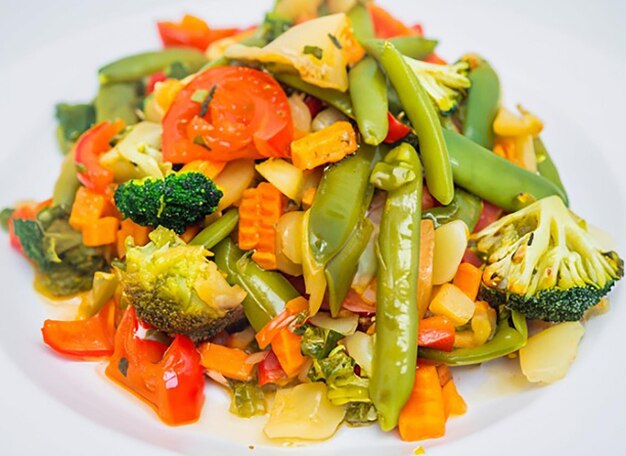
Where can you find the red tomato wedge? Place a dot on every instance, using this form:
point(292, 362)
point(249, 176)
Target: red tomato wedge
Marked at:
point(191, 31)
point(245, 114)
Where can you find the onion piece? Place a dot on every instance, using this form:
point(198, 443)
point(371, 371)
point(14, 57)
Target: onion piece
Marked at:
point(345, 325)
point(361, 347)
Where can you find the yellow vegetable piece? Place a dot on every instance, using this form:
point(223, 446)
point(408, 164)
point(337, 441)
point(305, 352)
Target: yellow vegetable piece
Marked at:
point(549, 354)
point(329, 145)
point(282, 175)
point(314, 278)
point(303, 412)
point(233, 180)
point(508, 123)
point(289, 230)
point(165, 92)
point(483, 322)
point(450, 244)
point(319, 50)
point(452, 303)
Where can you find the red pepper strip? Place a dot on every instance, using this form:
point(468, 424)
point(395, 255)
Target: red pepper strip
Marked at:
point(434, 58)
point(385, 25)
point(191, 31)
point(153, 79)
point(171, 380)
point(89, 147)
point(270, 371)
point(89, 338)
point(488, 215)
point(436, 332)
point(275, 325)
point(397, 130)
point(418, 29)
point(24, 211)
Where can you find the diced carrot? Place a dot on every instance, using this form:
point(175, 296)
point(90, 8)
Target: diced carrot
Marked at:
point(230, 362)
point(101, 232)
point(425, 277)
point(137, 232)
point(209, 168)
point(265, 336)
point(423, 416)
point(87, 208)
point(453, 403)
point(328, 145)
point(286, 347)
point(468, 279)
point(190, 233)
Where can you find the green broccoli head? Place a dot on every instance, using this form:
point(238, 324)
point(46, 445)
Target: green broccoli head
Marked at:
point(175, 202)
point(543, 263)
point(176, 289)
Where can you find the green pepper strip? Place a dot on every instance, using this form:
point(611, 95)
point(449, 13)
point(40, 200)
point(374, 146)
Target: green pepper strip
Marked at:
point(136, 67)
point(546, 166)
point(395, 351)
point(340, 202)
point(416, 47)
point(267, 292)
point(117, 101)
point(334, 98)
point(341, 270)
point(494, 178)
point(423, 117)
point(361, 21)
point(368, 91)
point(483, 100)
point(67, 184)
point(210, 236)
point(464, 206)
point(506, 340)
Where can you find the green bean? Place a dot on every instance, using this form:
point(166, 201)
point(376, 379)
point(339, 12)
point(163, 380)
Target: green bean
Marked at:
point(423, 117)
point(341, 269)
point(136, 67)
point(361, 21)
point(494, 178)
point(73, 120)
point(267, 292)
point(416, 47)
point(395, 351)
point(546, 166)
point(67, 184)
point(464, 206)
point(483, 101)
point(117, 101)
point(217, 231)
point(334, 98)
point(368, 91)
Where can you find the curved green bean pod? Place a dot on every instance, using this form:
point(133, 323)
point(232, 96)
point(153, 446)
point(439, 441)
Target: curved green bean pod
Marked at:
point(217, 231)
point(67, 184)
point(368, 91)
point(416, 47)
point(361, 21)
point(483, 101)
point(494, 178)
point(117, 101)
point(464, 206)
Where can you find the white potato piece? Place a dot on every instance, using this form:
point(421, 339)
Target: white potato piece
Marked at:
point(549, 354)
point(303, 412)
point(450, 244)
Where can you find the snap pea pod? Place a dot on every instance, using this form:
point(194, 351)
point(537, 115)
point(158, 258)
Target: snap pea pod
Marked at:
point(138, 66)
point(334, 98)
point(506, 340)
point(464, 206)
point(494, 178)
point(483, 101)
point(67, 183)
point(217, 231)
point(341, 270)
point(416, 47)
point(368, 92)
point(339, 202)
point(546, 166)
point(267, 292)
point(395, 351)
point(117, 101)
point(361, 20)
point(423, 117)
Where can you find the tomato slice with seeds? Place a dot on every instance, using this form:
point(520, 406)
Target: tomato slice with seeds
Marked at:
point(245, 114)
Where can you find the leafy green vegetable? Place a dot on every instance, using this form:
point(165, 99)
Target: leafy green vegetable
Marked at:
point(73, 121)
point(317, 343)
point(248, 399)
point(361, 414)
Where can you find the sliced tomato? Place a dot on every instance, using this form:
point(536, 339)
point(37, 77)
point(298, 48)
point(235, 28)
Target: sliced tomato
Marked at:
point(245, 115)
point(397, 130)
point(191, 31)
point(89, 338)
point(89, 147)
point(170, 379)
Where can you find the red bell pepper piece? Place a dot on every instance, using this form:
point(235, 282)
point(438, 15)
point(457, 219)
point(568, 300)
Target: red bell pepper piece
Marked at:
point(89, 147)
point(170, 379)
point(89, 338)
point(397, 130)
point(436, 332)
point(193, 32)
point(270, 371)
point(434, 58)
point(153, 79)
point(385, 25)
point(24, 211)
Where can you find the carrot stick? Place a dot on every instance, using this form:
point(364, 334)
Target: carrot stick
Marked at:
point(101, 232)
point(265, 336)
point(425, 278)
point(328, 145)
point(230, 362)
point(286, 347)
point(468, 278)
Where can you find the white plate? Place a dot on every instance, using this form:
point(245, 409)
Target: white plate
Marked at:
point(564, 62)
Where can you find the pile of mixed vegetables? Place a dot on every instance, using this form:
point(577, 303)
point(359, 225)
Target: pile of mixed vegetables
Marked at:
point(317, 210)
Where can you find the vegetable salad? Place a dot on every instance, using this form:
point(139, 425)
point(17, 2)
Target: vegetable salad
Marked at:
point(317, 213)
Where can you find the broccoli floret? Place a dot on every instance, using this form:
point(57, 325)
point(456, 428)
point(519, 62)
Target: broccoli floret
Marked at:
point(64, 265)
point(542, 262)
point(175, 288)
point(175, 202)
point(446, 84)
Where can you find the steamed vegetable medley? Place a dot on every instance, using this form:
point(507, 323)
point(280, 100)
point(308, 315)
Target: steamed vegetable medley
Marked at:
point(317, 213)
